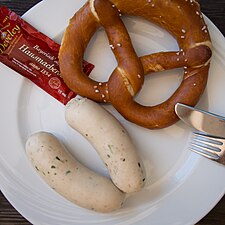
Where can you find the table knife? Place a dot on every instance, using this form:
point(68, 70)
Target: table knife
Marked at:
point(201, 120)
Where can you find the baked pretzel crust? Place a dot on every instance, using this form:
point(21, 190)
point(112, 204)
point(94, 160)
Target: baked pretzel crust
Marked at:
point(182, 18)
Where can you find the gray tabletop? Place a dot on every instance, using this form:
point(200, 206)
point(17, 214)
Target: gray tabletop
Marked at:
point(215, 10)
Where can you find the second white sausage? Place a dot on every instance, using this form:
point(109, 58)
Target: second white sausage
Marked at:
point(111, 141)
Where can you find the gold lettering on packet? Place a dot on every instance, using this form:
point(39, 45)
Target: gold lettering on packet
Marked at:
point(7, 35)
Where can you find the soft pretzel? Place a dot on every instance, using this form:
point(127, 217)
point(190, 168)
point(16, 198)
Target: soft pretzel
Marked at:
point(182, 18)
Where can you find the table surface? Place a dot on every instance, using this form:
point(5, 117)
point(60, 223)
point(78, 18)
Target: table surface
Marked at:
point(215, 10)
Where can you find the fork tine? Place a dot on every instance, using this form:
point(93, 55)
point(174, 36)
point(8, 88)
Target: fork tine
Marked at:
point(209, 139)
point(204, 142)
point(208, 146)
point(204, 151)
point(203, 154)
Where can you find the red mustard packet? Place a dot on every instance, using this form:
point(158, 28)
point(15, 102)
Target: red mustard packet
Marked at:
point(33, 55)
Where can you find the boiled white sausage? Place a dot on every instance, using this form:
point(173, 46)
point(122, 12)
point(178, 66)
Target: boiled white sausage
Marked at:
point(111, 141)
point(69, 177)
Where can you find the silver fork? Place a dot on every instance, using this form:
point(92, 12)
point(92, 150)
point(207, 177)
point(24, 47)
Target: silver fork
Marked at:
point(209, 146)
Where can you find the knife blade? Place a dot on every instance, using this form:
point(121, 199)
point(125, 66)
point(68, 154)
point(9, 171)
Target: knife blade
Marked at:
point(201, 120)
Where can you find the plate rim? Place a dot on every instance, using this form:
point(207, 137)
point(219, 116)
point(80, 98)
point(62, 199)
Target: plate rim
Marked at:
point(27, 14)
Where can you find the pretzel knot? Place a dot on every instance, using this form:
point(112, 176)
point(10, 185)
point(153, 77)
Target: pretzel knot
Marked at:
point(183, 19)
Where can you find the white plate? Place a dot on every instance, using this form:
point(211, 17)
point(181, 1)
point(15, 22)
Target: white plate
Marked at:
point(181, 188)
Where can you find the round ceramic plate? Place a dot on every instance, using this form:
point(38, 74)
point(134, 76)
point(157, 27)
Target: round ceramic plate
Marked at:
point(182, 187)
